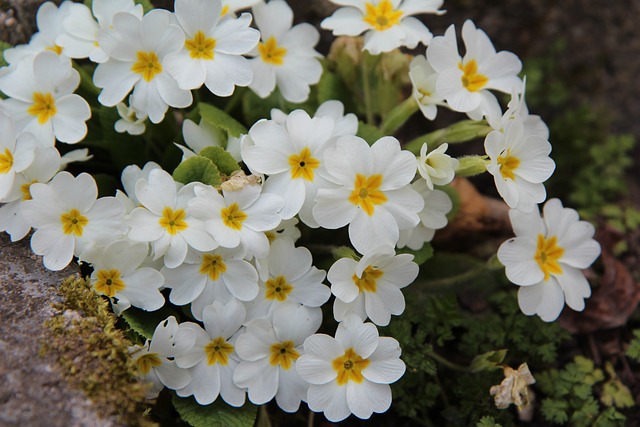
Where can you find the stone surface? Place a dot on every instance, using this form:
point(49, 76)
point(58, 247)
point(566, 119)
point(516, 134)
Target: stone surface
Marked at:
point(33, 391)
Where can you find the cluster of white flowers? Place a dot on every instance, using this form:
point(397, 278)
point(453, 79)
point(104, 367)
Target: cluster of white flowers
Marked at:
point(229, 252)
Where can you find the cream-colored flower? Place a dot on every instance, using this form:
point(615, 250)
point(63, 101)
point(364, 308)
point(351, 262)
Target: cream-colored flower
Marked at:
point(514, 388)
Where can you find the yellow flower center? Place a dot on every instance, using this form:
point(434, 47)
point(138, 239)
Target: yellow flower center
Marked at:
point(508, 164)
point(283, 354)
point(109, 282)
point(278, 288)
point(26, 190)
point(173, 221)
point(43, 107)
point(148, 361)
point(212, 265)
point(349, 367)
point(73, 222)
point(547, 255)
point(366, 193)
point(6, 161)
point(225, 10)
point(200, 46)
point(303, 165)
point(382, 16)
point(218, 351)
point(271, 53)
point(148, 65)
point(367, 283)
point(55, 48)
point(232, 216)
point(471, 80)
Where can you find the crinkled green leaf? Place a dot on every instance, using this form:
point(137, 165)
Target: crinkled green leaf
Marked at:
point(218, 414)
point(217, 117)
point(555, 410)
point(368, 132)
point(488, 361)
point(220, 157)
point(633, 351)
point(145, 322)
point(421, 255)
point(197, 169)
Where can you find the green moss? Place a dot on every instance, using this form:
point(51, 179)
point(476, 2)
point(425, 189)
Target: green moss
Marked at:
point(94, 354)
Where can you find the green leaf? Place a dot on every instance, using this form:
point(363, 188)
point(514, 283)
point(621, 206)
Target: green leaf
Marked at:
point(633, 351)
point(145, 322)
point(218, 414)
point(368, 132)
point(197, 169)
point(331, 87)
point(3, 46)
point(488, 361)
point(217, 117)
point(421, 255)
point(488, 422)
point(555, 411)
point(220, 157)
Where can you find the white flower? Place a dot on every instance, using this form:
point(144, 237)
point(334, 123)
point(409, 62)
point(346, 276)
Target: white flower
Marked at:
point(49, 20)
point(119, 275)
point(213, 358)
point(286, 55)
point(45, 165)
point(203, 135)
point(269, 353)
point(291, 154)
point(373, 195)
point(130, 176)
point(213, 49)
point(67, 217)
point(343, 124)
point(520, 164)
point(545, 259)
point(156, 359)
point(80, 36)
point(136, 49)
point(517, 109)
point(423, 80)
point(351, 372)
point(130, 122)
point(223, 271)
point(238, 218)
point(371, 287)
point(42, 101)
point(464, 81)
point(437, 204)
point(230, 7)
point(388, 23)
point(16, 154)
point(165, 220)
point(437, 167)
point(292, 278)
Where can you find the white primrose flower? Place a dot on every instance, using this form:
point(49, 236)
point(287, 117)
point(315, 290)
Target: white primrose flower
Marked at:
point(292, 278)
point(423, 80)
point(350, 373)
point(213, 358)
point(373, 194)
point(137, 48)
point(130, 122)
point(203, 135)
point(437, 167)
point(437, 204)
point(132, 173)
point(213, 49)
point(388, 24)
point(520, 164)
point(156, 359)
point(118, 274)
point(371, 287)
point(17, 153)
point(545, 259)
point(343, 124)
point(230, 7)
point(68, 215)
point(464, 82)
point(291, 154)
point(49, 20)
point(165, 220)
point(238, 218)
point(79, 38)
point(286, 55)
point(269, 353)
point(223, 271)
point(41, 99)
point(46, 163)
point(517, 109)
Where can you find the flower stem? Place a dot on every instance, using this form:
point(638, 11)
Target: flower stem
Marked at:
point(444, 362)
point(366, 88)
point(311, 418)
point(398, 116)
point(463, 131)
